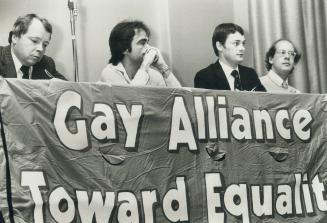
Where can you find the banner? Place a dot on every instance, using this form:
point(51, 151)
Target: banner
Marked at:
point(88, 152)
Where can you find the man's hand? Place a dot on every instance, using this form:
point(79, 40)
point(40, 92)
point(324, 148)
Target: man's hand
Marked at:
point(154, 58)
point(149, 57)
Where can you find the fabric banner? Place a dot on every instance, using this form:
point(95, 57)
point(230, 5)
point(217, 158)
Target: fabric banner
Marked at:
point(88, 152)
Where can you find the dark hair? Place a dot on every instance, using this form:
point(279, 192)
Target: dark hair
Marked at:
point(221, 33)
point(272, 50)
point(121, 37)
point(23, 23)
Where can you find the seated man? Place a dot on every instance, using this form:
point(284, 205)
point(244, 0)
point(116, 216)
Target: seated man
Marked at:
point(281, 59)
point(133, 61)
point(24, 57)
point(228, 43)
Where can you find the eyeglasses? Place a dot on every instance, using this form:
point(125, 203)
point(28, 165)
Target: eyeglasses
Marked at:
point(284, 52)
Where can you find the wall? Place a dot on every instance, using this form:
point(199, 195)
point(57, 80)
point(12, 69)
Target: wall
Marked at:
point(192, 24)
point(182, 29)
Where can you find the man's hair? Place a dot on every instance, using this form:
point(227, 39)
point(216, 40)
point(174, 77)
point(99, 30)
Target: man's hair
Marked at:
point(121, 37)
point(221, 33)
point(23, 23)
point(272, 50)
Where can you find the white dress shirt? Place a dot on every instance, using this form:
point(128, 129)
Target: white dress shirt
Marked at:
point(228, 70)
point(275, 84)
point(18, 65)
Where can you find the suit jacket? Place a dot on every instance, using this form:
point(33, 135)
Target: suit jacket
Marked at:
point(7, 66)
point(213, 77)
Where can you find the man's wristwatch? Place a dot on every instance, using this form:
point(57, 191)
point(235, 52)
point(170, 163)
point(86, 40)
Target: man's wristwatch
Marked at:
point(165, 71)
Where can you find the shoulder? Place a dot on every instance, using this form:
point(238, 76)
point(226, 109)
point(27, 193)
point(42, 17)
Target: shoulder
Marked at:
point(44, 66)
point(1, 49)
point(207, 71)
point(110, 73)
point(47, 59)
point(247, 72)
point(247, 69)
point(46, 62)
point(109, 69)
point(5, 51)
point(264, 78)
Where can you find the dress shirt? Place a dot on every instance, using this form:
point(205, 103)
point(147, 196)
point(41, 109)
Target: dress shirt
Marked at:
point(18, 65)
point(275, 84)
point(117, 75)
point(228, 71)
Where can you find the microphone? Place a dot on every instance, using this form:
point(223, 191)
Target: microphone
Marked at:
point(72, 5)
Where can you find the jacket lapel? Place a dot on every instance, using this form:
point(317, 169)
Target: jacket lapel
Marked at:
point(220, 74)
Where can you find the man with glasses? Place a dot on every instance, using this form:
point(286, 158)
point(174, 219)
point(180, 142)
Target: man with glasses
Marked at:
point(228, 42)
point(280, 60)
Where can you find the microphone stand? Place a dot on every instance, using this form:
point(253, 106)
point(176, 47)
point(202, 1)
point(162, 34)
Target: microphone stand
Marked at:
point(73, 15)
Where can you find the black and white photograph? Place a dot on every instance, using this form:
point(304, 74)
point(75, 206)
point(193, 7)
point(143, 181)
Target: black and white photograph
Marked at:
point(160, 111)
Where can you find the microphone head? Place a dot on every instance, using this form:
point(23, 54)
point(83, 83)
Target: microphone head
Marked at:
point(71, 4)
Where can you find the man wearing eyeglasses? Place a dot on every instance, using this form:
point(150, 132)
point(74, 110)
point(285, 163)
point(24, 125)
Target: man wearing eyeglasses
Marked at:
point(226, 73)
point(280, 60)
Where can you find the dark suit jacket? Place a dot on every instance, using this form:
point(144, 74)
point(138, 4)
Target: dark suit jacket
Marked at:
point(7, 66)
point(213, 77)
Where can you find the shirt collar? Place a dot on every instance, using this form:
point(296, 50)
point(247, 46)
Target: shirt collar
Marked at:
point(17, 62)
point(120, 67)
point(277, 79)
point(18, 65)
point(227, 69)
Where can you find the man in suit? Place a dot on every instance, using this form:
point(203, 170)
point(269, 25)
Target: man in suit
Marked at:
point(24, 57)
point(228, 42)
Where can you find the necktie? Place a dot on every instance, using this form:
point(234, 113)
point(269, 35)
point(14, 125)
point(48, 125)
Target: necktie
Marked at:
point(25, 70)
point(237, 81)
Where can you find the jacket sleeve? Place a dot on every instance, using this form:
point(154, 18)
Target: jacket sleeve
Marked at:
point(200, 81)
point(54, 71)
point(46, 69)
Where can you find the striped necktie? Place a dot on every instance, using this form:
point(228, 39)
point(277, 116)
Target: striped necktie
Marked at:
point(237, 80)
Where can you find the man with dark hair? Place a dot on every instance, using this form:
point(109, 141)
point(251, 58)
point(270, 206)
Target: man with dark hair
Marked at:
point(228, 43)
point(24, 57)
point(133, 61)
point(280, 60)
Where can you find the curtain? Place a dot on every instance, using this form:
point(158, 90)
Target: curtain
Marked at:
point(304, 22)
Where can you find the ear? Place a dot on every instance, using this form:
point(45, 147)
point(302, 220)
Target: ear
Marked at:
point(270, 60)
point(14, 39)
point(126, 51)
point(219, 46)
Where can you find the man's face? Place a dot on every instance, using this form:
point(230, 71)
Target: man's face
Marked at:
point(283, 60)
point(139, 45)
point(30, 47)
point(232, 52)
